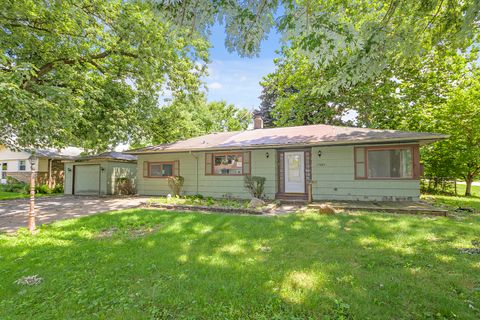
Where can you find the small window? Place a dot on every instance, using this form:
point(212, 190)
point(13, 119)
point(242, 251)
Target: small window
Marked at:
point(4, 166)
point(161, 169)
point(228, 164)
point(22, 165)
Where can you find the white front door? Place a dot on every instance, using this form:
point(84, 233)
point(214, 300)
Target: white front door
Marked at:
point(294, 172)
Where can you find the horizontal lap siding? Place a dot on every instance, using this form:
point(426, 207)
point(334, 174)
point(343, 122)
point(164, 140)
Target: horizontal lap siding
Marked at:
point(334, 179)
point(208, 185)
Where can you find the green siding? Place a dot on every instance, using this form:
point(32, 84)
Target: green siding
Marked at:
point(334, 179)
point(208, 185)
point(112, 171)
point(333, 174)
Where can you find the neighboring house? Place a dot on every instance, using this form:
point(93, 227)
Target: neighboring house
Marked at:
point(341, 163)
point(101, 174)
point(49, 165)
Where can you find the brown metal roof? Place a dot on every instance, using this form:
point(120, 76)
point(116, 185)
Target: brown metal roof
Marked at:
point(290, 136)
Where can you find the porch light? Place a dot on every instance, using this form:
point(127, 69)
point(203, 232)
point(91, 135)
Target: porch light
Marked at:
point(319, 153)
point(267, 155)
point(69, 169)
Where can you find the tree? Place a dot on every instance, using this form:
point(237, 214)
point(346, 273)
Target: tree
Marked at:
point(460, 118)
point(191, 116)
point(88, 73)
point(400, 97)
point(354, 41)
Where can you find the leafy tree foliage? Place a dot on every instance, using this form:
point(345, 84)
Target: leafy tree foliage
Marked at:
point(460, 118)
point(88, 73)
point(192, 116)
point(400, 97)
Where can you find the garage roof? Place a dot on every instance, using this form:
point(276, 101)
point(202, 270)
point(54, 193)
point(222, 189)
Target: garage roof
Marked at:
point(112, 155)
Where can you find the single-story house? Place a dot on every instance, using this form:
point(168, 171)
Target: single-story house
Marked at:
point(48, 165)
point(102, 174)
point(337, 163)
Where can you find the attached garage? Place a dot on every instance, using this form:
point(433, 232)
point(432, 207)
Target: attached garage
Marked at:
point(107, 173)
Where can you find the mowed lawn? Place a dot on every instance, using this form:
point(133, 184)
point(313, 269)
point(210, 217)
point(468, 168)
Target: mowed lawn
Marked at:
point(452, 202)
point(4, 195)
point(151, 264)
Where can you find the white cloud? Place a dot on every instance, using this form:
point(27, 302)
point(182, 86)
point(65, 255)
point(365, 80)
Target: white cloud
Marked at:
point(215, 85)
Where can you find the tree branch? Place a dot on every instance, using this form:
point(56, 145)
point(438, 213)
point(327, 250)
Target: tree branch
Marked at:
point(434, 16)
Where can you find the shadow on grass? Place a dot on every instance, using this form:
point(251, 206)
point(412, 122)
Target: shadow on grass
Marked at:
point(206, 266)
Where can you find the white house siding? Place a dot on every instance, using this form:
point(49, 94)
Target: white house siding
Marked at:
point(208, 185)
point(12, 159)
point(334, 179)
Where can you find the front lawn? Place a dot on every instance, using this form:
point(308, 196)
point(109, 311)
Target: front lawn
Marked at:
point(199, 200)
point(6, 195)
point(152, 264)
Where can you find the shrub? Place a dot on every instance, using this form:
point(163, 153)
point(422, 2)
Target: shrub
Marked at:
point(197, 197)
point(125, 186)
point(176, 184)
point(14, 185)
point(58, 188)
point(255, 186)
point(42, 189)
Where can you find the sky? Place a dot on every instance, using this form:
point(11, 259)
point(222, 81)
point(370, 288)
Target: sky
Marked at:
point(236, 79)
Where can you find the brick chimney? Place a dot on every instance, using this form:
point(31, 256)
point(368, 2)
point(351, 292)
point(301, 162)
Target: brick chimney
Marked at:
point(258, 122)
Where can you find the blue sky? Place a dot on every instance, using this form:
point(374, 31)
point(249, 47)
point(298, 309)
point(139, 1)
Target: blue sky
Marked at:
point(236, 79)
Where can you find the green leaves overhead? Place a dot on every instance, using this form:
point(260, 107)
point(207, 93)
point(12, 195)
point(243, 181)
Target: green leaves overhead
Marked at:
point(193, 116)
point(88, 72)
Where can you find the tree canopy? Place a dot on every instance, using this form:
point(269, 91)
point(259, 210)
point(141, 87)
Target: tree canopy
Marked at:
point(459, 155)
point(88, 73)
point(192, 116)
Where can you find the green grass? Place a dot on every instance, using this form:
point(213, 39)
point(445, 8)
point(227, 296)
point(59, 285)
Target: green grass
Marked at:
point(461, 190)
point(203, 201)
point(5, 195)
point(151, 264)
point(454, 202)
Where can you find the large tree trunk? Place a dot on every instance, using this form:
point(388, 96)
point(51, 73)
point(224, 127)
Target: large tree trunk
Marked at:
point(468, 189)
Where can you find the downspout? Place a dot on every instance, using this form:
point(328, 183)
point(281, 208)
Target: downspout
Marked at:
point(196, 171)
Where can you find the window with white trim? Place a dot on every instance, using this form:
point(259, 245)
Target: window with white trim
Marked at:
point(22, 165)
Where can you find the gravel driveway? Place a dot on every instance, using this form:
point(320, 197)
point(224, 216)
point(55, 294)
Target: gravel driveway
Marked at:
point(14, 213)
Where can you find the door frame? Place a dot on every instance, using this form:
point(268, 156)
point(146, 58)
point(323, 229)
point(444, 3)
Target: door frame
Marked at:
point(307, 167)
point(99, 176)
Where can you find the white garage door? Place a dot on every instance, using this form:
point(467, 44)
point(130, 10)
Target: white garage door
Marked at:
point(87, 180)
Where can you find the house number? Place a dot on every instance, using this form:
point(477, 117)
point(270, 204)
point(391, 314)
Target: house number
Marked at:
point(322, 164)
